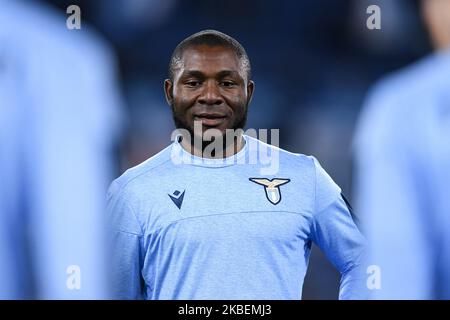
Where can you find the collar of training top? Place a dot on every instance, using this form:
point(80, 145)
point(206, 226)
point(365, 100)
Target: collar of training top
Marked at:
point(182, 157)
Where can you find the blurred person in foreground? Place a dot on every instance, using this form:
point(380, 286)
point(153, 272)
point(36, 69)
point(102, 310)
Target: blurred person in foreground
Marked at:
point(403, 171)
point(204, 220)
point(59, 109)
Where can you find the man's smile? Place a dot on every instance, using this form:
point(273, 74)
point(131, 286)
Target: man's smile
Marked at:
point(210, 119)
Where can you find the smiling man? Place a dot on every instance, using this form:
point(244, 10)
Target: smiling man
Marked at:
point(217, 227)
point(220, 65)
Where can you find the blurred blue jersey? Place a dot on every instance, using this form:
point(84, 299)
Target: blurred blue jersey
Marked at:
point(403, 175)
point(59, 115)
point(219, 229)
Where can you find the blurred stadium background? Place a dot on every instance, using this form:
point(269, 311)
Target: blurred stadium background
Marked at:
point(312, 60)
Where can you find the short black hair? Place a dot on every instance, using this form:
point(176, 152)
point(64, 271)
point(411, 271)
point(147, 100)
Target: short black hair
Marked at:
point(212, 38)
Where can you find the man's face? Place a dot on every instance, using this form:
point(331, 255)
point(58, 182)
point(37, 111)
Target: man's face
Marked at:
point(210, 86)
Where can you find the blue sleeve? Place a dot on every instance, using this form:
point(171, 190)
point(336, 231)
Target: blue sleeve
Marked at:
point(336, 234)
point(126, 249)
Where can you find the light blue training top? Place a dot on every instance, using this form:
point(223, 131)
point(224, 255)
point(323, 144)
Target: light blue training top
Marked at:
point(190, 228)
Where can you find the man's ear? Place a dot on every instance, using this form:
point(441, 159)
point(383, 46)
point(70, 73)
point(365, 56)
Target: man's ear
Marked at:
point(250, 90)
point(168, 90)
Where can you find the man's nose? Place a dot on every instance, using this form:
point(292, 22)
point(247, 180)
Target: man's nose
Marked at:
point(210, 94)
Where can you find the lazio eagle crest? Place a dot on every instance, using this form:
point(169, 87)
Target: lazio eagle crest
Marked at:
point(271, 187)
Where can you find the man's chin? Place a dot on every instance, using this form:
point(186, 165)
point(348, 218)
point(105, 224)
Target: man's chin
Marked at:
point(197, 131)
point(208, 134)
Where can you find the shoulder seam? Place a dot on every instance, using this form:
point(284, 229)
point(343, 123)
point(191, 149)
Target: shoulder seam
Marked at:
point(121, 191)
point(135, 216)
point(128, 232)
point(140, 174)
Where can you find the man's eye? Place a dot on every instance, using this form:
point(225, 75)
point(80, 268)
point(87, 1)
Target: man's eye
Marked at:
point(193, 83)
point(227, 83)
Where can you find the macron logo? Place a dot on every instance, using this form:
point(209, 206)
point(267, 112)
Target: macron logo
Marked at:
point(177, 198)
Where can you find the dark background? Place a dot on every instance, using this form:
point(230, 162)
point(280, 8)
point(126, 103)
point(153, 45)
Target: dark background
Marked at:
point(312, 61)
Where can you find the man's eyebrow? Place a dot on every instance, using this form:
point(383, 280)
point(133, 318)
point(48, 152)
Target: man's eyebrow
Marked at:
point(199, 74)
point(192, 73)
point(225, 73)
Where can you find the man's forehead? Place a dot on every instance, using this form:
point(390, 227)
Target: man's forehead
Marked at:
point(205, 57)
